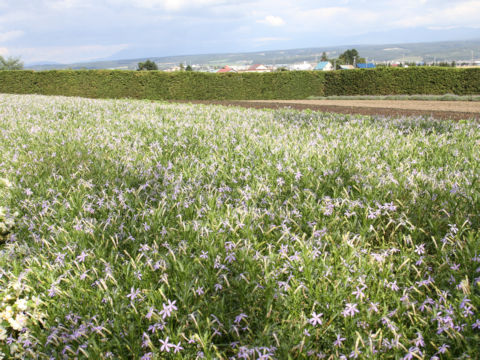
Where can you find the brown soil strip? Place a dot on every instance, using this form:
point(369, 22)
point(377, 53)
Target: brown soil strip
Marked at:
point(426, 105)
point(438, 110)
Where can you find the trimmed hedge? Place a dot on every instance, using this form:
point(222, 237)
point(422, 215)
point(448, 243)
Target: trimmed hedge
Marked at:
point(403, 81)
point(157, 85)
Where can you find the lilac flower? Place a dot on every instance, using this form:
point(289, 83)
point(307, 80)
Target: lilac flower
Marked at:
point(150, 313)
point(443, 348)
point(412, 353)
point(350, 310)
point(134, 293)
point(420, 249)
point(199, 291)
point(177, 348)
point(359, 294)
point(393, 285)
point(218, 287)
point(419, 342)
point(52, 291)
point(157, 326)
point(316, 319)
point(165, 345)
point(373, 307)
point(338, 342)
point(82, 256)
point(240, 317)
point(168, 309)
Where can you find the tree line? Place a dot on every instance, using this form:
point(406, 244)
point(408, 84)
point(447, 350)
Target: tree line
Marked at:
point(10, 63)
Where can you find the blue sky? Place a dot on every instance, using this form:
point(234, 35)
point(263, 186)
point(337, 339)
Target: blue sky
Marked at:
point(68, 31)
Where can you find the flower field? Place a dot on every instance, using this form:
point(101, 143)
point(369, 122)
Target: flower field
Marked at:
point(139, 230)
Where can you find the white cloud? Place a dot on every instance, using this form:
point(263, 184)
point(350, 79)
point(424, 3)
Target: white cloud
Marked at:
point(464, 13)
point(272, 20)
point(183, 26)
point(65, 4)
point(3, 51)
point(175, 5)
point(269, 39)
point(328, 12)
point(339, 19)
point(10, 35)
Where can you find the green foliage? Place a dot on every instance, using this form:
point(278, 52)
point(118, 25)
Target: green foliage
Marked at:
point(147, 65)
point(324, 57)
point(349, 56)
point(189, 68)
point(185, 85)
point(189, 85)
point(10, 63)
point(408, 81)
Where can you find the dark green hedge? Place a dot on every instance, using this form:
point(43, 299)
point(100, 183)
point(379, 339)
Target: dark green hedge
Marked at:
point(157, 85)
point(409, 81)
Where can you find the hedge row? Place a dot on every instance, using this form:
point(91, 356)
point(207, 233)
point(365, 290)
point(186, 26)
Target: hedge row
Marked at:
point(157, 85)
point(403, 81)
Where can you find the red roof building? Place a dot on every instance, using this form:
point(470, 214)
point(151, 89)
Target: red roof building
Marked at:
point(226, 69)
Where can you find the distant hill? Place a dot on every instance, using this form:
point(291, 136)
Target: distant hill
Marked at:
point(427, 51)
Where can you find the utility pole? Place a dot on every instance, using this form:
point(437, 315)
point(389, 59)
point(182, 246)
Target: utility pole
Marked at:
point(354, 61)
point(473, 62)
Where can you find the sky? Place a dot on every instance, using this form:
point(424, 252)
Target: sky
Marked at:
point(68, 31)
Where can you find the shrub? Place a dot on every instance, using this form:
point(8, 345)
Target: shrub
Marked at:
point(187, 85)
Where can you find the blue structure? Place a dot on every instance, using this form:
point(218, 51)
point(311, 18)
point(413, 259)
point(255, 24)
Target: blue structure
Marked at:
point(366, 66)
point(323, 65)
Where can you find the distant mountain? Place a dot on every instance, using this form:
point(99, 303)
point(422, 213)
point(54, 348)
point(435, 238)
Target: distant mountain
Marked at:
point(424, 51)
point(43, 63)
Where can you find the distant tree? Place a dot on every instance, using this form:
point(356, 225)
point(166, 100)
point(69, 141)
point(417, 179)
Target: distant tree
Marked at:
point(147, 65)
point(189, 68)
point(11, 63)
point(281, 68)
point(182, 67)
point(349, 57)
point(324, 57)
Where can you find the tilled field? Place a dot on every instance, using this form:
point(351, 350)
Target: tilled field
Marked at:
point(456, 110)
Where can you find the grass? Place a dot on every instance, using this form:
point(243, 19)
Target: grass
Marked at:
point(446, 97)
point(165, 231)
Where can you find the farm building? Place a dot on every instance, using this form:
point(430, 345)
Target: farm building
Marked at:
point(324, 66)
point(302, 67)
point(366, 66)
point(258, 68)
point(226, 69)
